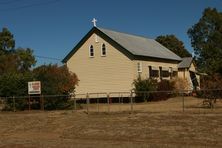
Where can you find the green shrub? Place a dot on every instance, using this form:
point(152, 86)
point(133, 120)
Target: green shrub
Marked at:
point(151, 90)
point(14, 84)
point(142, 86)
point(55, 80)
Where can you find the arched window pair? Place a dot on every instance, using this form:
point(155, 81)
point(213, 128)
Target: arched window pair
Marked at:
point(103, 50)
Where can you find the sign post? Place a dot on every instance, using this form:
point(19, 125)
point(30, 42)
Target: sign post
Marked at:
point(34, 88)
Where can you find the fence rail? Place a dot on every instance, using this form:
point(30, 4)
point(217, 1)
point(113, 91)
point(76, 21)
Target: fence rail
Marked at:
point(118, 101)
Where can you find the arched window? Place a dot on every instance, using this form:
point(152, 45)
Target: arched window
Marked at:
point(103, 50)
point(91, 51)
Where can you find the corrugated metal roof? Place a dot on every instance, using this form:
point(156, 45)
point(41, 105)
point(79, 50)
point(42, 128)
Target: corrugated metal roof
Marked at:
point(141, 46)
point(186, 62)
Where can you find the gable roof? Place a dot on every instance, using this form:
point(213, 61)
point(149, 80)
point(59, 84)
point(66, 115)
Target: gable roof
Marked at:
point(141, 46)
point(135, 45)
point(186, 62)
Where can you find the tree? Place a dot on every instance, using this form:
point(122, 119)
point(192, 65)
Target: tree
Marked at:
point(206, 39)
point(175, 45)
point(14, 60)
point(15, 69)
point(7, 41)
point(15, 73)
point(25, 59)
point(8, 63)
point(55, 81)
point(15, 84)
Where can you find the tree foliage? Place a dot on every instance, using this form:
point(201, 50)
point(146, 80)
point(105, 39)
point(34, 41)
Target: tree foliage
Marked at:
point(57, 81)
point(174, 44)
point(14, 60)
point(142, 86)
point(15, 66)
point(145, 84)
point(145, 89)
point(19, 60)
point(25, 59)
point(211, 82)
point(206, 39)
point(211, 87)
point(7, 41)
point(8, 63)
point(14, 84)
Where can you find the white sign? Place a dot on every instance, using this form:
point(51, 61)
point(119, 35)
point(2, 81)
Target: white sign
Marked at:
point(34, 87)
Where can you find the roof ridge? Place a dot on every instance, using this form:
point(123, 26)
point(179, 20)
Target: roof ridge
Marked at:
point(126, 33)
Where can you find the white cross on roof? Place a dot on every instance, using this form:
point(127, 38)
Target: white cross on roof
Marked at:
point(94, 22)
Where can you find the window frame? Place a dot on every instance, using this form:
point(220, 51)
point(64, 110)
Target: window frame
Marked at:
point(154, 73)
point(165, 72)
point(139, 67)
point(103, 55)
point(91, 53)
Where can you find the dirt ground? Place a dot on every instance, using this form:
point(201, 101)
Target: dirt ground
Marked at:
point(156, 124)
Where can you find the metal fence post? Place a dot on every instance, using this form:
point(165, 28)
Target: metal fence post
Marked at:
point(74, 101)
point(97, 101)
point(183, 99)
point(14, 109)
point(108, 102)
point(131, 101)
point(87, 103)
point(29, 103)
point(42, 103)
point(119, 103)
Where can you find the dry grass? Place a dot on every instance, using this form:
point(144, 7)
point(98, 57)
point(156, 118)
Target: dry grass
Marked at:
point(172, 105)
point(157, 124)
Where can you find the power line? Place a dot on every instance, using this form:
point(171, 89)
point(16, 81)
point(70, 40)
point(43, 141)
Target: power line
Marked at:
point(50, 58)
point(30, 5)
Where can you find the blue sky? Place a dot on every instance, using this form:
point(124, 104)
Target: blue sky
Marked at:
point(52, 27)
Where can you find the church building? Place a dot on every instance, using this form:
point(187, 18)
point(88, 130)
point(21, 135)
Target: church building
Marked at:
point(109, 61)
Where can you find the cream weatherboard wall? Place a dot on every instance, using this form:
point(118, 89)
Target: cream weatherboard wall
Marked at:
point(111, 73)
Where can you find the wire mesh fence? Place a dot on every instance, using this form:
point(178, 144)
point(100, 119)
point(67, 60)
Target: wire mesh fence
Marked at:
point(147, 101)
